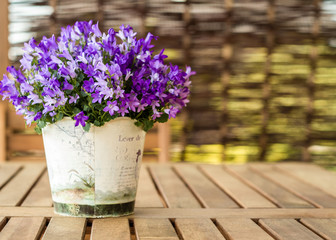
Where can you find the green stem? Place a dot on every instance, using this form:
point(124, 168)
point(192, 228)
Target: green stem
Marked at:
point(102, 118)
point(139, 114)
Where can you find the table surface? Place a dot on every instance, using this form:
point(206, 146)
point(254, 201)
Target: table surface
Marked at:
point(184, 201)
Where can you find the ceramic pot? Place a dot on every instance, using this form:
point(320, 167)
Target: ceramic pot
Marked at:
point(95, 173)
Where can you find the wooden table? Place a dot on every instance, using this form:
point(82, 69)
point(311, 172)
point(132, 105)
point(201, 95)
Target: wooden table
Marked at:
point(184, 201)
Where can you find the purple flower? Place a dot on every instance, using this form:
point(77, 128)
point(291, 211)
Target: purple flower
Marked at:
point(89, 85)
point(34, 98)
point(156, 113)
point(111, 107)
point(49, 100)
point(29, 117)
point(96, 97)
point(38, 116)
point(67, 86)
point(133, 103)
point(171, 112)
point(47, 109)
point(96, 30)
point(56, 60)
point(80, 118)
point(73, 99)
point(123, 109)
point(26, 61)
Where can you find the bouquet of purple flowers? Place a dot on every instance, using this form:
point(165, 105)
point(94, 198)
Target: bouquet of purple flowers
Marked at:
point(94, 77)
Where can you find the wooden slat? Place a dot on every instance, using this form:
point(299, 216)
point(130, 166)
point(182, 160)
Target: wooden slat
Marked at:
point(65, 228)
point(25, 142)
point(35, 157)
point(240, 192)
point(313, 175)
point(314, 195)
point(206, 191)
point(7, 171)
point(25, 228)
point(110, 229)
point(40, 195)
point(148, 229)
point(174, 192)
point(287, 229)
point(190, 212)
point(14, 192)
point(197, 229)
point(147, 195)
point(277, 194)
point(242, 229)
point(324, 227)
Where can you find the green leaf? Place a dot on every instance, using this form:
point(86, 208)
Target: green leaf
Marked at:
point(76, 110)
point(87, 127)
point(80, 77)
point(83, 94)
point(138, 124)
point(163, 118)
point(145, 124)
point(59, 116)
point(38, 130)
point(41, 124)
point(86, 108)
point(34, 62)
point(98, 123)
point(98, 107)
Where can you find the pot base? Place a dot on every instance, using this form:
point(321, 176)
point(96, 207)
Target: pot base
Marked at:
point(94, 211)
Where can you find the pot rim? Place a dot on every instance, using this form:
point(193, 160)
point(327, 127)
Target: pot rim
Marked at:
point(117, 119)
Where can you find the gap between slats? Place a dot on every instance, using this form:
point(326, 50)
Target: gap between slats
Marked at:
point(288, 188)
point(287, 229)
point(254, 187)
point(148, 194)
point(205, 192)
point(218, 186)
point(285, 172)
point(32, 187)
point(23, 228)
point(22, 183)
point(157, 186)
point(172, 198)
point(240, 173)
point(191, 189)
point(311, 174)
point(10, 175)
point(325, 228)
point(242, 194)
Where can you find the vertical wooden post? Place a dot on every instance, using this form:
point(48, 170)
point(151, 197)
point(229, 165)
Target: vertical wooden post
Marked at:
point(266, 91)
point(164, 142)
point(186, 48)
point(53, 4)
point(100, 14)
point(3, 64)
point(227, 52)
point(142, 8)
point(315, 30)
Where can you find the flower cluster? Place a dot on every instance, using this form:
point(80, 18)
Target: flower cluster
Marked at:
point(94, 77)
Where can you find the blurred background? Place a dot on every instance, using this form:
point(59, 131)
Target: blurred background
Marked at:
point(265, 88)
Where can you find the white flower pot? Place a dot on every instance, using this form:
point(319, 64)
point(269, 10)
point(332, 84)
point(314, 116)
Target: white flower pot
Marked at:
point(95, 173)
